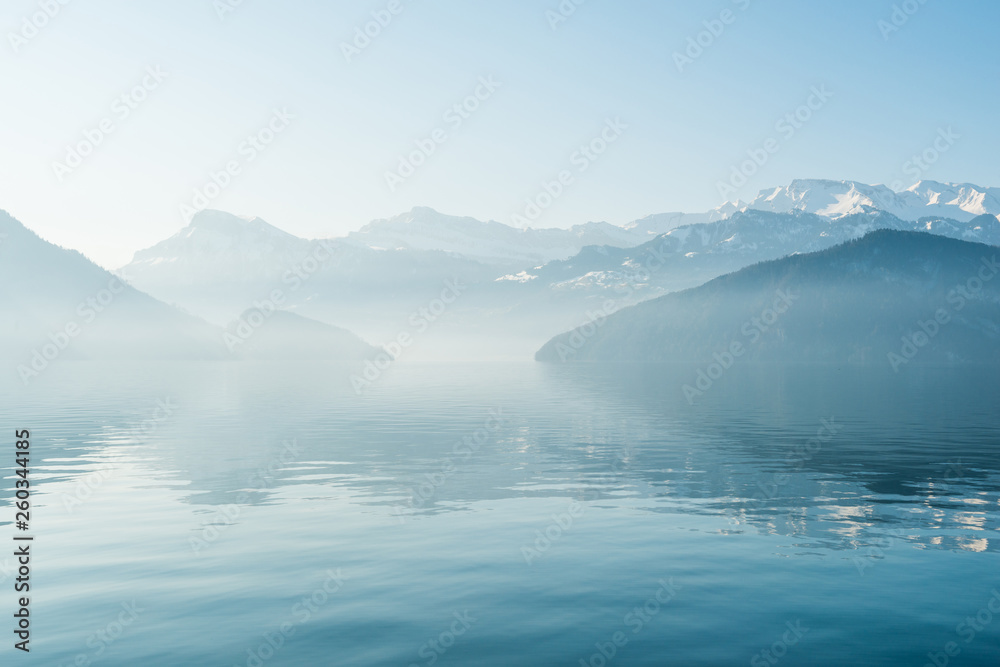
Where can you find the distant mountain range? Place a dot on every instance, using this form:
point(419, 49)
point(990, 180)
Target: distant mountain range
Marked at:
point(529, 283)
point(518, 287)
point(56, 305)
point(837, 199)
point(892, 297)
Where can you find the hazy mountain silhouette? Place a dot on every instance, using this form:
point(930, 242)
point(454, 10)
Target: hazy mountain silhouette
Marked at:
point(890, 297)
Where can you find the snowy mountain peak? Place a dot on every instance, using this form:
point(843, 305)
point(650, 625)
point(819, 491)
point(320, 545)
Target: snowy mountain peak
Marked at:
point(838, 199)
point(217, 237)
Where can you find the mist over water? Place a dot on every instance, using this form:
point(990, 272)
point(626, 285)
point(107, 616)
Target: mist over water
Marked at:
point(517, 513)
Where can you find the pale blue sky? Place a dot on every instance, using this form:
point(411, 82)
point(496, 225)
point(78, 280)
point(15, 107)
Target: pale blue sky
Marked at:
point(324, 174)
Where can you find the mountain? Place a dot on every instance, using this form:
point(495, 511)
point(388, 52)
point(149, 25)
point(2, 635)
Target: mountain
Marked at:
point(838, 199)
point(55, 303)
point(501, 245)
point(280, 335)
point(892, 297)
point(220, 265)
point(693, 254)
point(218, 246)
point(491, 242)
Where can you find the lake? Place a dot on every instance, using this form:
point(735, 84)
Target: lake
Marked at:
point(507, 514)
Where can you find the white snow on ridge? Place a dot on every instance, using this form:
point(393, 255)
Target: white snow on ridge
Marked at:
point(837, 199)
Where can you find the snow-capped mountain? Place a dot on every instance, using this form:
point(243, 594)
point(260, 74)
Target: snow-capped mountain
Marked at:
point(221, 264)
point(221, 245)
point(693, 254)
point(493, 242)
point(837, 199)
point(855, 302)
point(529, 282)
point(498, 244)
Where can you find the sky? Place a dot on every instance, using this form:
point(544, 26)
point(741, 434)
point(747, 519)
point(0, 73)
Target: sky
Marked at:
point(121, 118)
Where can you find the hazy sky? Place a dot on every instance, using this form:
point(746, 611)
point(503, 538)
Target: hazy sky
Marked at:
point(223, 74)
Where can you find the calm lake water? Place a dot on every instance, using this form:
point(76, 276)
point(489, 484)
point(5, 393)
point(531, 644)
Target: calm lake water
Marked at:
point(508, 515)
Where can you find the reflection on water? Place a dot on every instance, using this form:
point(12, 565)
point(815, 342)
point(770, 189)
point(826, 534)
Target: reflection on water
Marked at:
point(544, 501)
